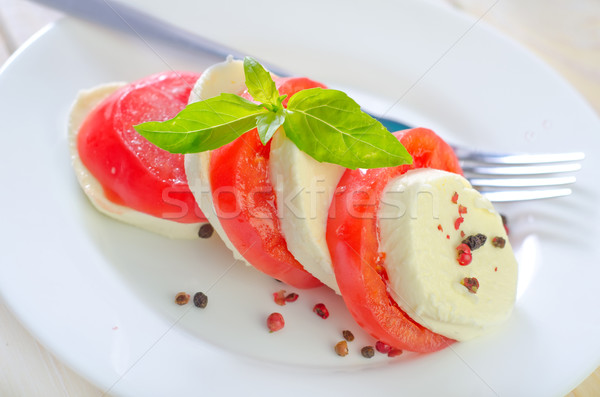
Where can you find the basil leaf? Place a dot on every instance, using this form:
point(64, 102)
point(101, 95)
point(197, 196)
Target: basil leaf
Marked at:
point(329, 126)
point(259, 82)
point(268, 123)
point(204, 125)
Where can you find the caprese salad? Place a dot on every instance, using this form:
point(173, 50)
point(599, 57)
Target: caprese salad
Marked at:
point(302, 185)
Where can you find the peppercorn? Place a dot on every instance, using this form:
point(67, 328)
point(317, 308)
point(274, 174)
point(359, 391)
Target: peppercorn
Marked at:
point(349, 336)
point(275, 322)
point(279, 297)
point(458, 221)
point(205, 231)
point(471, 284)
point(464, 254)
point(182, 298)
point(341, 348)
point(321, 310)
point(394, 352)
point(292, 297)
point(367, 351)
point(475, 241)
point(498, 242)
point(382, 347)
point(200, 300)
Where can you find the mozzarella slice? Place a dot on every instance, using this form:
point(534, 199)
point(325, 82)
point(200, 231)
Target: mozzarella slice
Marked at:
point(419, 235)
point(304, 189)
point(84, 103)
point(225, 77)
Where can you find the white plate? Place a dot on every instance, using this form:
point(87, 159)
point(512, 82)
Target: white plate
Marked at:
point(99, 293)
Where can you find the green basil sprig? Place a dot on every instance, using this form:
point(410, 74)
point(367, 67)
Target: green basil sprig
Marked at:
point(326, 124)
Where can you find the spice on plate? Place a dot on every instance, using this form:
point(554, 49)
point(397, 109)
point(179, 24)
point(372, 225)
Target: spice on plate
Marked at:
point(182, 298)
point(394, 352)
point(498, 242)
point(321, 310)
point(475, 241)
point(471, 284)
point(205, 231)
point(464, 254)
point(200, 300)
point(458, 222)
point(367, 351)
point(341, 348)
point(275, 322)
point(349, 336)
point(291, 297)
point(279, 297)
point(382, 347)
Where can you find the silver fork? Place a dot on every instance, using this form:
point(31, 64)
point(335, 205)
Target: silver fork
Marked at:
point(503, 177)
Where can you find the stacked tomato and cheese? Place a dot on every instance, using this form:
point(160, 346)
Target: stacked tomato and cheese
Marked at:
point(124, 175)
point(419, 256)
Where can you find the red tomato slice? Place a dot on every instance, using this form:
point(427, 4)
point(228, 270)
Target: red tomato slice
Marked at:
point(353, 240)
point(132, 171)
point(245, 202)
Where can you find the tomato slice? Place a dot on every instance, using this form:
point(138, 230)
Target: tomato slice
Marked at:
point(132, 171)
point(353, 240)
point(245, 202)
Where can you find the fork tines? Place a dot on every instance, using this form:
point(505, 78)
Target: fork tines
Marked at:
point(516, 177)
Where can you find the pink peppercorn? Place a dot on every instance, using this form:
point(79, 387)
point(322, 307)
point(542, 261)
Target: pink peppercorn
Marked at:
point(382, 347)
point(458, 221)
point(279, 297)
point(394, 352)
point(464, 254)
point(455, 198)
point(321, 310)
point(293, 297)
point(464, 259)
point(275, 322)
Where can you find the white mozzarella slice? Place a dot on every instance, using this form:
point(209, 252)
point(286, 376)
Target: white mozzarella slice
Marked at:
point(225, 77)
point(84, 103)
point(304, 189)
point(419, 236)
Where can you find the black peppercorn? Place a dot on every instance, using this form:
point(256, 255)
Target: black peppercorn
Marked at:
point(200, 300)
point(349, 336)
point(367, 351)
point(205, 231)
point(475, 241)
